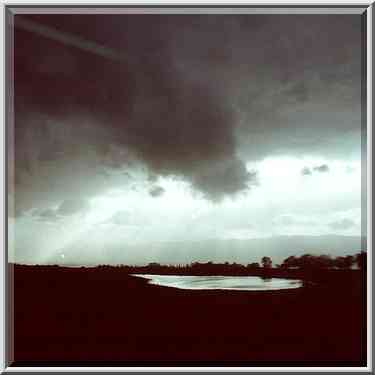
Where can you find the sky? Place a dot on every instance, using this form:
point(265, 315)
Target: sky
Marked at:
point(134, 133)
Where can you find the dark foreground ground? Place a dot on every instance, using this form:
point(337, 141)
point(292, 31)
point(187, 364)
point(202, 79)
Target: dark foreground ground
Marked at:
point(93, 317)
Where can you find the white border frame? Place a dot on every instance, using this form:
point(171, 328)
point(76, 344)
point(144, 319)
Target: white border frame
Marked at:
point(268, 3)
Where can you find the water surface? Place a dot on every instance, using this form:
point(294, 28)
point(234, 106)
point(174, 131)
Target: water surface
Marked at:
point(222, 282)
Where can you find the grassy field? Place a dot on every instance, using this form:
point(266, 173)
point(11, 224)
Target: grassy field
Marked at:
point(82, 316)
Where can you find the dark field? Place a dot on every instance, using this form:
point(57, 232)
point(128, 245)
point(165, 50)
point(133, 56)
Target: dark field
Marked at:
point(93, 317)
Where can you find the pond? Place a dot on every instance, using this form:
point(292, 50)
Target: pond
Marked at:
point(253, 283)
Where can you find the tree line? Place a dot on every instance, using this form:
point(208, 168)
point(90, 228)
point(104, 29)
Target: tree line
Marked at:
point(324, 261)
point(306, 262)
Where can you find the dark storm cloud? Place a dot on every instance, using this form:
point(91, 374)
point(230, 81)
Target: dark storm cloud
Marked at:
point(304, 95)
point(224, 178)
point(321, 168)
point(171, 124)
point(48, 214)
point(192, 96)
point(299, 91)
point(306, 171)
point(343, 224)
point(66, 208)
point(156, 191)
point(72, 206)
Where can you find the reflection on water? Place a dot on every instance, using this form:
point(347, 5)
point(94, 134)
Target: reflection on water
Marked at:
point(222, 282)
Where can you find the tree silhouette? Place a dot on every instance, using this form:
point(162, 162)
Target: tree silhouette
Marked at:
point(361, 260)
point(290, 262)
point(266, 262)
point(254, 265)
point(309, 261)
point(344, 262)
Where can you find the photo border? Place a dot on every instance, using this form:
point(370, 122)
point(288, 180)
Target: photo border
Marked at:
point(8, 9)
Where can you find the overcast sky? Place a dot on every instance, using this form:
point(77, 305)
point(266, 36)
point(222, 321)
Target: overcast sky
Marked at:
point(143, 129)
